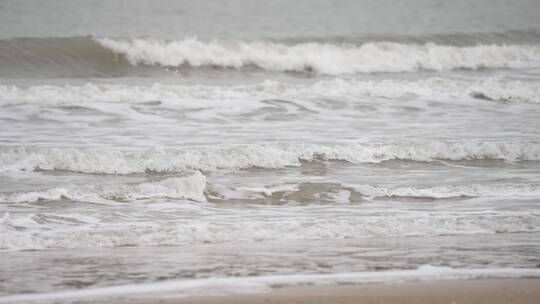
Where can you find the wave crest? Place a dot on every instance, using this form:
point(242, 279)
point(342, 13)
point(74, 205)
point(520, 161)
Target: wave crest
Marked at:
point(115, 57)
point(322, 58)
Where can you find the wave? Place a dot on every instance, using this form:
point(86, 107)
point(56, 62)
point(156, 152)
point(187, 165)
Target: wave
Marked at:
point(41, 231)
point(195, 188)
point(269, 156)
point(257, 284)
point(59, 57)
point(190, 187)
point(322, 58)
point(175, 96)
point(112, 57)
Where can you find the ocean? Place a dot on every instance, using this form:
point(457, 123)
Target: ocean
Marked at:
point(209, 147)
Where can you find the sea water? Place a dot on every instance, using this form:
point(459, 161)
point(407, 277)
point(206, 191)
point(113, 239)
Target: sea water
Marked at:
point(183, 146)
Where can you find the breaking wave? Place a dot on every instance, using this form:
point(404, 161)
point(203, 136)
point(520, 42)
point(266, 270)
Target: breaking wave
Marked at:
point(322, 58)
point(261, 156)
point(113, 57)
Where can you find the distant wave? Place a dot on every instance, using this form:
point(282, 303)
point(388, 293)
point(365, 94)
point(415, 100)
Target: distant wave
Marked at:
point(111, 57)
point(262, 156)
point(182, 95)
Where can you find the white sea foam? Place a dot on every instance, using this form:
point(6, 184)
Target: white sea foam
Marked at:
point(216, 96)
point(263, 156)
point(322, 58)
point(261, 284)
point(261, 224)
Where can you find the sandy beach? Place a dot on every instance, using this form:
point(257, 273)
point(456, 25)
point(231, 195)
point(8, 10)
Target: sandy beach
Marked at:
point(491, 291)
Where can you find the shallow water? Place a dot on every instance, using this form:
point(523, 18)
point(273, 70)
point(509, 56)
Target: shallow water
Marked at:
point(144, 143)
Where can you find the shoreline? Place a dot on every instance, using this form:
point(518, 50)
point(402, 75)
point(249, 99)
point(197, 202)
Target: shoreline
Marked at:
point(492, 291)
point(427, 283)
point(300, 285)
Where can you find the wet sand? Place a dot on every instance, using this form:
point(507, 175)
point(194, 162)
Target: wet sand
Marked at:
point(492, 291)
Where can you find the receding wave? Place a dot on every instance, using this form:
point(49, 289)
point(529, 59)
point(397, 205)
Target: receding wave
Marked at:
point(110, 161)
point(111, 57)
